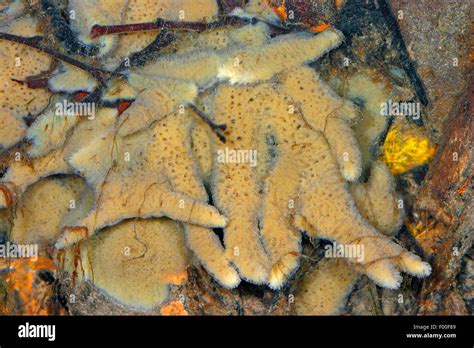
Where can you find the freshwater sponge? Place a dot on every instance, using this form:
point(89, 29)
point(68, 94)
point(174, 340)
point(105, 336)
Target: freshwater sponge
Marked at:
point(141, 181)
point(296, 182)
point(49, 130)
point(371, 90)
point(40, 212)
point(87, 13)
point(287, 51)
point(325, 111)
point(283, 169)
point(12, 128)
point(324, 290)
point(159, 98)
point(134, 261)
point(18, 63)
point(23, 173)
point(378, 201)
point(69, 79)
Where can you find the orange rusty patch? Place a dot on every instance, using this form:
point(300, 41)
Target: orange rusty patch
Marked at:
point(80, 95)
point(174, 308)
point(122, 106)
point(281, 12)
point(319, 28)
point(464, 186)
point(7, 194)
point(175, 279)
point(21, 281)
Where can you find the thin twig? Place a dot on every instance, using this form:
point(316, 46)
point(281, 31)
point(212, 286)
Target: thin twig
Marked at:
point(99, 30)
point(159, 24)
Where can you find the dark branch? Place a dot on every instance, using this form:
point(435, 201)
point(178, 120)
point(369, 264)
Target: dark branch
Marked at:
point(159, 24)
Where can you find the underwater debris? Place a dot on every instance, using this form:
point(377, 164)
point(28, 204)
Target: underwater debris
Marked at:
point(27, 293)
point(173, 308)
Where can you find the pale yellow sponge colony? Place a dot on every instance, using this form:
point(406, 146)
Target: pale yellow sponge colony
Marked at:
point(133, 262)
point(199, 67)
point(69, 79)
point(12, 128)
point(84, 14)
point(235, 185)
point(284, 52)
point(199, 58)
point(18, 63)
point(223, 37)
point(292, 180)
point(325, 289)
point(157, 99)
point(372, 91)
point(378, 203)
point(201, 145)
point(39, 214)
point(325, 111)
point(25, 172)
point(377, 200)
point(50, 129)
point(145, 180)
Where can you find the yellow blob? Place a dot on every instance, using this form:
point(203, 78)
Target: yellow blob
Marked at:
point(404, 150)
